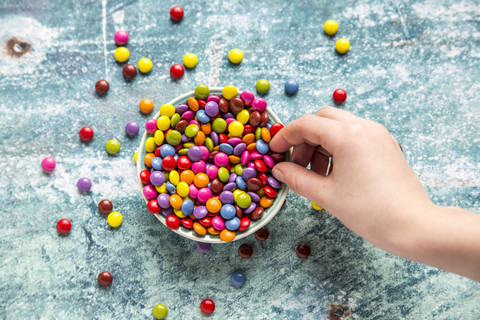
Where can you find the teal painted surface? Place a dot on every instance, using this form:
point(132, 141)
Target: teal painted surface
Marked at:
point(413, 66)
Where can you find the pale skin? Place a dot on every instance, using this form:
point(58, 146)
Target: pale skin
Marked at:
point(373, 191)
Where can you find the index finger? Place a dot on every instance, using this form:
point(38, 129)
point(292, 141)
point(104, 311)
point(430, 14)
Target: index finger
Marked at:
point(309, 129)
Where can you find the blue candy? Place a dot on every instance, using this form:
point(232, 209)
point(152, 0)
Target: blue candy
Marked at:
point(262, 146)
point(187, 207)
point(241, 184)
point(226, 148)
point(167, 150)
point(291, 86)
point(170, 187)
point(238, 279)
point(202, 116)
point(228, 211)
point(232, 224)
point(157, 163)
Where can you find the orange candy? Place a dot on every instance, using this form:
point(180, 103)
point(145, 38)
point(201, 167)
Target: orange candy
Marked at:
point(187, 176)
point(266, 136)
point(199, 138)
point(146, 106)
point(148, 158)
point(248, 138)
point(252, 147)
point(201, 180)
point(176, 201)
point(206, 128)
point(234, 159)
point(227, 235)
point(266, 202)
point(193, 104)
point(213, 231)
point(213, 205)
point(198, 228)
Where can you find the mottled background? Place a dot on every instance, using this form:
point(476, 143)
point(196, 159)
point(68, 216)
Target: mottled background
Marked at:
point(413, 66)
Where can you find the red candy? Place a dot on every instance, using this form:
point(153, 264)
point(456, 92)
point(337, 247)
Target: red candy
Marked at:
point(157, 151)
point(172, 222)
point(64, 226)
point(105, 278)
point(177, 71)
point(153, 206)
point(244, 223)
point(168, 163)
point(339, 95)
point(86, 134)
point(201, 104)
point(206, 222)
point(176, 13)
point(248, 129)
point(187, 223)
point(260, 166)
point(183, 163)
point(275, 128)
point(145, 176)
point(263, 178)
point(223, 138)
point(207, 306)
point(270, 191)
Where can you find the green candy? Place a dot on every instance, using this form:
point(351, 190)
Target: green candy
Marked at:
point(191, 130)
point(112, 146)
point(244, 200)
point(202, 92)
point(262, 86)
point(174, 120)
point(209, 144)
point(223, 174)
point(219, 125)
point(174, 137)
point(258, 133)
point(183, 152)
point(160, 311)
point(239, 169)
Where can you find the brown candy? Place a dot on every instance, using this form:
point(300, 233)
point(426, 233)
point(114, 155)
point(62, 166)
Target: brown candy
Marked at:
point(105, 206)
point(181, 125)
point(223, 105)
point(239, 212)
point(211, 156)
point(277, 157)
point(303, 250)
point(217, 186)
point(245, 251)
point(254, 184)
point(262, 234)
point(264, 119)
point(257, 213)
point(255, 119)
point(102, 86)
point(129, 71)
point(236, 104)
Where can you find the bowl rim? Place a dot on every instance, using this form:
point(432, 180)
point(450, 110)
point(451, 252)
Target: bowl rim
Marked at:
point(269, 213)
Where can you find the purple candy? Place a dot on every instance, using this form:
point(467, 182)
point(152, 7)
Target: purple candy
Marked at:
point(228, 115)
point(214, 137)
point(157, 178)
point(163, 200)
point(84, 184)
point(247, 97)
point(234, 141)
point(194, 122)
point(227, 197)
point(268, 161)
point(209, 185)
point(194, 153)
point(205, 153)
point(230, 186)
point(132, 128)
point(188, 115)
point(200, 212)
point(193, 191)
point(213, 98)
point(149, 191)
point(250, 208)
point(249, 173)
point(255, 197)
point(232, 177)
point(211, 109)
point(181, 108)
point(204, 194)
point(218, 223)
point(245, 158)
point(221, 159)
point(259, 105)
point(272, 182)
point(199, 166)
point(255, 156)
point(212, 172)
point(239, 149)
point(203, 247)
point(184, 139)
point(168, 211)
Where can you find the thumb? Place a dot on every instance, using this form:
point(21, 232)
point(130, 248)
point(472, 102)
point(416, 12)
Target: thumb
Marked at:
point(302, 181)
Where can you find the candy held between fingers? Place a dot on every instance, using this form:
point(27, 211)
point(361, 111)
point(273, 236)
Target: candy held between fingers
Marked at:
point(48, 164)
point(316, 206)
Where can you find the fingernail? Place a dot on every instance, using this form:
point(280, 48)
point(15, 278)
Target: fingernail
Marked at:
point(277, 174)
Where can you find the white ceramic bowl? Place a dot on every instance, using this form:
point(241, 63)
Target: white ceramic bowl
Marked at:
point(269, 213)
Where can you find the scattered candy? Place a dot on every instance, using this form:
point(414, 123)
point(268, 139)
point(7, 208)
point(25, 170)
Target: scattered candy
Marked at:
point(121, 37)
point(245, 251)
point(64, 226)
point(112, 147)
point(132, 128)
point(177, 71)
point(303, 250)
point(122, 54)
point(129, 71)
point(238, 279)
point(86, 134)
point(145, 65)
point(115, 219)
point(342, 46)
point(207, 306)
point(262, 234)
point(105, 206)
point(84, 184)
point(339, 95)
point(105, 279)
point(146, 106)
point(316, 206)
point(291, 87)
point(190, 60)
point(203, 247)
point(330, 27)
point(48, 164)
point(235, 56)
point(160, 311)
point(176, 13)
point(262, 86)
point(102, 87)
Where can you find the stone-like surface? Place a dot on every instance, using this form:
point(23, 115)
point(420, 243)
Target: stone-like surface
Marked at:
point(413, 66)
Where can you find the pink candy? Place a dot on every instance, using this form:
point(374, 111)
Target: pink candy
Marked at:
point(221, 159)
point(149, 192)
point(204, 194)
point(218, 223)
point(212, 172)
point(247, 97)
point(121, 37)
point(151, 126)
point(259, 105)
point(268, 161)
point(206, 153)
point(193, 192)
point(48, 164)
point(245, 157)
point(199, 166)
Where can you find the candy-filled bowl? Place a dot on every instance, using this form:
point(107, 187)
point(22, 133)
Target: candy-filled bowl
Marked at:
point(204, 165)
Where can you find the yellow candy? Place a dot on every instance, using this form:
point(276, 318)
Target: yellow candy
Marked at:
point(122, 54)
point(159, 136)
point(145, 65)
point(162, 188)
point(179, 213)
point(229, 92)
point(115, 219)
point(174, 177)
point(188, 144)
point(342, 46)
point(190, 60)
point(182, 189)
point(236, 128)
point(135, 156)
point(163, 123)
point(236, 192)
point(150, 144)
point(167, 110)
point(235, 56)
point(330, 27)
point(243, 116)
point(316, 206)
